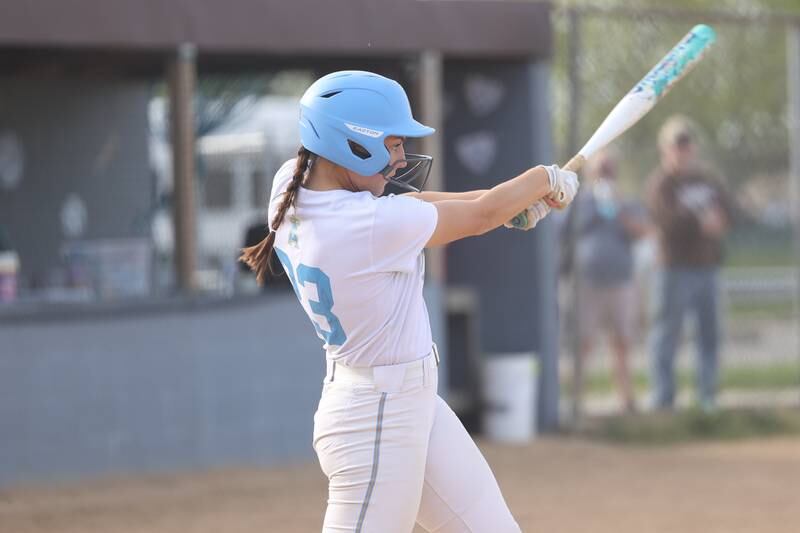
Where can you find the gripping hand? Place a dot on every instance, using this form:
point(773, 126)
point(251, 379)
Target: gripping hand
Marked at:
point(530, 217)
point(564, 186)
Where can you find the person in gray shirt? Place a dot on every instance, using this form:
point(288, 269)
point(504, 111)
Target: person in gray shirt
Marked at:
point(607, 225)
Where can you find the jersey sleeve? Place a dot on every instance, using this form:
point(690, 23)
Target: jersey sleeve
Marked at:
point(401, 228)
point(279, 184)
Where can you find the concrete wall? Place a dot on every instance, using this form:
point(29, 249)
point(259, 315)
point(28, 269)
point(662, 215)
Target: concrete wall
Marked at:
point(231, 383)
point(79, 137)
point(163, 386)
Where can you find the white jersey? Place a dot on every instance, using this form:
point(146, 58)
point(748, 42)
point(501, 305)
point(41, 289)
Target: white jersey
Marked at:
point(357, 265)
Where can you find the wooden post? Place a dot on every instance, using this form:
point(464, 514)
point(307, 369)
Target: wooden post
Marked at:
point(430, 90)
point(181, 78)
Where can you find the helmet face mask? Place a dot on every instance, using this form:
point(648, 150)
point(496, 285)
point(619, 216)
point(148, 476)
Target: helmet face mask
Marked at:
point(413, 176)
point(346, 117)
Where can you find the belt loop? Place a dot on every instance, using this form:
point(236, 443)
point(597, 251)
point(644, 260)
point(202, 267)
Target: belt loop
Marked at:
point(424, 372)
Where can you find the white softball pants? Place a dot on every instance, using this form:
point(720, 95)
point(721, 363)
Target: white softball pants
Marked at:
point(395, 454)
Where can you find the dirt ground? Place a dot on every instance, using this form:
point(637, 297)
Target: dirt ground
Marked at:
point(552, 485)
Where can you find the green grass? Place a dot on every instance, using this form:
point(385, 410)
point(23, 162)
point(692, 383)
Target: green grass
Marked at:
point(691, 425)
point(757, 246)
point(764, 309)
point(767, 377)
point(772, 376)
point(780, 255)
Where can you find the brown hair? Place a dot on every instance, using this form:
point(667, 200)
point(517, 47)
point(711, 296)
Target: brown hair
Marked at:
point(258, 257)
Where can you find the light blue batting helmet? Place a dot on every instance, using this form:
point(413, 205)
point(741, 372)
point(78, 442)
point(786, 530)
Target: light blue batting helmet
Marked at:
point(345, 117)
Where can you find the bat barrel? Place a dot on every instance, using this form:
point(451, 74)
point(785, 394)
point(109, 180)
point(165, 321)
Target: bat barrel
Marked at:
point(634, 105)
point(677, 62)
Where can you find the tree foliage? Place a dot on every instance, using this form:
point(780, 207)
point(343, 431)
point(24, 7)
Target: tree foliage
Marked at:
point(737, 94)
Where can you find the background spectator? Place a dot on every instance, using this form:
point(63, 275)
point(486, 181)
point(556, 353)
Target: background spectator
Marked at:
point(691, 212)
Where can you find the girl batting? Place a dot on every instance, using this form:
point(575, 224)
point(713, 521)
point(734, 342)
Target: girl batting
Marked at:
point(393, 451)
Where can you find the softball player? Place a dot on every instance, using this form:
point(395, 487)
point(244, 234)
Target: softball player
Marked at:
point(393, 451)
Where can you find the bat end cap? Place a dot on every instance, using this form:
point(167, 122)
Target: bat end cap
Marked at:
point(705, 32)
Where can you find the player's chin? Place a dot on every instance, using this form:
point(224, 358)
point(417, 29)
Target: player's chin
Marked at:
point(377, 184)
point(379, 188)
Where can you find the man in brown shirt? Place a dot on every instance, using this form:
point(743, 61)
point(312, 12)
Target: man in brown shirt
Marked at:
point(690, 210)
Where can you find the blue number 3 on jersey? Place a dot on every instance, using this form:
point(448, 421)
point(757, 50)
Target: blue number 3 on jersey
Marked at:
point(323, 306)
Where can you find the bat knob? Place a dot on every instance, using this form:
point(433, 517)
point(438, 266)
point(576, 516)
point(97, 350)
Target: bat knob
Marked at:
point(521, 220)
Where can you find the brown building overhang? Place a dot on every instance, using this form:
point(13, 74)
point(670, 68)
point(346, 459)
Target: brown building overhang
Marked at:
point(465, 28)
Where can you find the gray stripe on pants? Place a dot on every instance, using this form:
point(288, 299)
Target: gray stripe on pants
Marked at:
point(375, 457)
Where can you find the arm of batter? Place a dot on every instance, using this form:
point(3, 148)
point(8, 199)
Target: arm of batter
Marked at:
point(458, 219)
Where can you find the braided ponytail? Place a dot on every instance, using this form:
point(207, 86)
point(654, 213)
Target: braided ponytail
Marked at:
point(258, 257)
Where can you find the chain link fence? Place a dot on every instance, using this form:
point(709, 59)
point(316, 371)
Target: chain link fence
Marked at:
point(740, 95)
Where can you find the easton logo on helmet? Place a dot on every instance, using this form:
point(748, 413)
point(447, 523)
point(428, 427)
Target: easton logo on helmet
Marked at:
point(364, 131)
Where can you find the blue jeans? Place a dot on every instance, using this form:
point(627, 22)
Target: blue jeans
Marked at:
point(679, 290)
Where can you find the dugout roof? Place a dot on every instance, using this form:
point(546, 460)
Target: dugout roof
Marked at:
point(132, 35)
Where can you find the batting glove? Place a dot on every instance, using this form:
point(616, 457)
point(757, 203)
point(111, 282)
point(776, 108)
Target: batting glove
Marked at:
point(530, 217)
point(564, 186)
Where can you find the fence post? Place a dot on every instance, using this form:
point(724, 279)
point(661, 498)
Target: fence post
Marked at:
point(793, 95)
point(570, 239)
